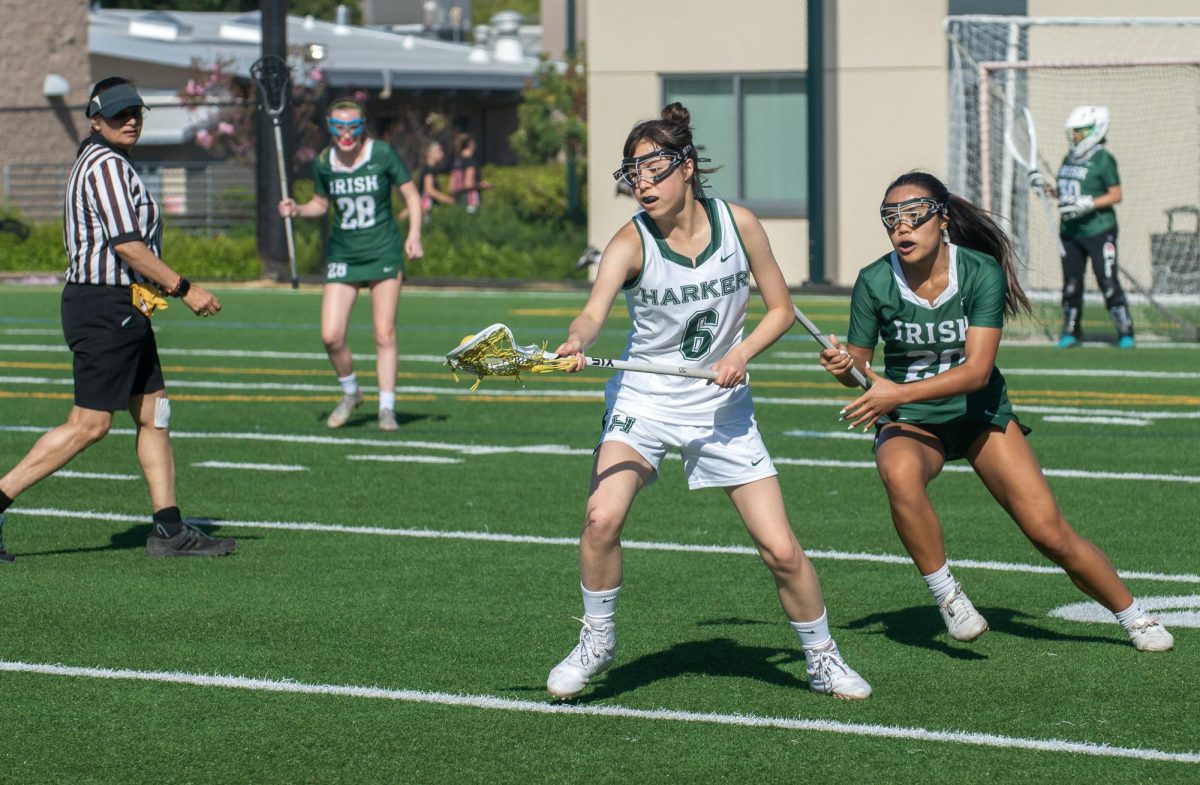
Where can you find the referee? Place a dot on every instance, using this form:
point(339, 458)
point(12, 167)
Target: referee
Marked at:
point(113, 237)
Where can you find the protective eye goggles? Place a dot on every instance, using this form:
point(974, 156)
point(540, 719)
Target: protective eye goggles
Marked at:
point(914, 212)
point(655, 166)
point(355, 127)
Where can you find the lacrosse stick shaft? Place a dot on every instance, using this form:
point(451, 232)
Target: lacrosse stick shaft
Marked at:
point(283, 192)
point(807, 324)
point(665, 370)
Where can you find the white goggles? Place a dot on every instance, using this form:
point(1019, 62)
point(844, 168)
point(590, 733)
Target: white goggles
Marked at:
point(655, 166)
point(914, 212)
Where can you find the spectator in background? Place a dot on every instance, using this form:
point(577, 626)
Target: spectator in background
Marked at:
point(465, 180)
point(431, 164)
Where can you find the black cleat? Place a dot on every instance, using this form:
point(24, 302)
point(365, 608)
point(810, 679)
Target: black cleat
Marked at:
point(188, 542)
point(6, 557)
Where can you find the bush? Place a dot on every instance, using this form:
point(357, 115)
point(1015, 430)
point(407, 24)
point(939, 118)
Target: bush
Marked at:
point(521, 232)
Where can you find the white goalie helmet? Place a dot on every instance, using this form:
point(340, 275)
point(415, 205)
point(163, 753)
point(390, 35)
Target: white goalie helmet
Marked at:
point(1091, 119)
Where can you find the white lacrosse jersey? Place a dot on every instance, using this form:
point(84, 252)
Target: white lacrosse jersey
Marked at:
point(687, 315)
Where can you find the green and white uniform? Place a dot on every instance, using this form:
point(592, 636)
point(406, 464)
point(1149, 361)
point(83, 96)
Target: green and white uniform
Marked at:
point(1091, 176)
point(922, 339)
point(365, 243)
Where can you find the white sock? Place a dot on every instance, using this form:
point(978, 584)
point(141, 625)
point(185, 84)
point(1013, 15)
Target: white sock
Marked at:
point(1131, 614)
point(349, 383)
point(941, 583)
point(387, 400)
point(599, 606)
point(813, 634)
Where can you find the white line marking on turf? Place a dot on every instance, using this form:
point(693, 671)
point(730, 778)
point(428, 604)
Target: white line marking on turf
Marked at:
point(562, 449)
point(260, 467)
point(404, 458)
point(530, 539)
point(496, 703)
point(67, 474)
point(1097, 420)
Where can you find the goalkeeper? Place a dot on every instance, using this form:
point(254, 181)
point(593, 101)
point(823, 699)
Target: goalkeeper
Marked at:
point(685, 263)
point(1088, 188)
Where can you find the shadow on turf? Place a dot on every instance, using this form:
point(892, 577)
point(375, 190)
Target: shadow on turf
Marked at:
point(365, 419)
point(922, 627)
point(712, 657)
point(132, 538)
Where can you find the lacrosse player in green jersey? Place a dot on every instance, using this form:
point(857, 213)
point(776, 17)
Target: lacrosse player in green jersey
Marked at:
point(1088, 187)
point(684, 263)
point(356, 175)
point(939, 301)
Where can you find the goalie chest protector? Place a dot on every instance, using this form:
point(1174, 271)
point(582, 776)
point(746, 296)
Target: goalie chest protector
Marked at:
point(687, 315)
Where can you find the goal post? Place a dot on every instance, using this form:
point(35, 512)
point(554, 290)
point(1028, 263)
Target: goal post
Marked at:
point(1010, 73)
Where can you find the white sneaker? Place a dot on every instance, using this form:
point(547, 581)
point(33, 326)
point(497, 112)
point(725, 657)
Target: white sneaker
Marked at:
point(591, 656)
point(962, 620)
point(344, 409)
point(1148, 634)
point(387, 420)
point(829, 674)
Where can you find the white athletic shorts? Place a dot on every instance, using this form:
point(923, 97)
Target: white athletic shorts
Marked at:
point(720, 456)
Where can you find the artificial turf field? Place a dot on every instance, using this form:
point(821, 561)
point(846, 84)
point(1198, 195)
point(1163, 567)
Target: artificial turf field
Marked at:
point(397, 600)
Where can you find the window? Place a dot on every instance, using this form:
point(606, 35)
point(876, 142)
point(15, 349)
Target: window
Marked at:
point(756, 129)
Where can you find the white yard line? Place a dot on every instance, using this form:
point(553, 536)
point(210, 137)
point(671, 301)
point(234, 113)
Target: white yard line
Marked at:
point(256, 467)
point(562, 449)
point(497, 703)
point(529, 539)
point(67, 474)
point(404, 459)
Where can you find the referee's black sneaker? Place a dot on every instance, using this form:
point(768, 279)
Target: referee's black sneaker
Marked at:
point(190, 541)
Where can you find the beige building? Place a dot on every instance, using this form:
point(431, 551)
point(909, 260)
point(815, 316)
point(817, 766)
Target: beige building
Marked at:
point(741, 70)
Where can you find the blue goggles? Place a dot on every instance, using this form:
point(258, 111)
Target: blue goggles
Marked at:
point(355, 127)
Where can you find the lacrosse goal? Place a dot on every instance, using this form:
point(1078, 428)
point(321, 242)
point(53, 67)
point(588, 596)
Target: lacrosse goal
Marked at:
point(1147, 72)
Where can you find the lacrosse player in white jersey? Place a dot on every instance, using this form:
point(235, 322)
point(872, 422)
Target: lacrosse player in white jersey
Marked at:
point(684, 264)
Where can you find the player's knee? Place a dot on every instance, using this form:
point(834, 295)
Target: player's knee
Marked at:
point(334, 340)
point(602, 525)
point(385, 337)
point(90, 430)
point(1055, 540)
point(782, 559)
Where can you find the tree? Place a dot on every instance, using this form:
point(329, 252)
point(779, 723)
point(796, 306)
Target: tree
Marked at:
point(552, 117)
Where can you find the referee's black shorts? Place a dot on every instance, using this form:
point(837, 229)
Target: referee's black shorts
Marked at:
point(116, 357)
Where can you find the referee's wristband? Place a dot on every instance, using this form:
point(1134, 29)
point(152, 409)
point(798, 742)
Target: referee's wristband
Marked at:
point(181, 289)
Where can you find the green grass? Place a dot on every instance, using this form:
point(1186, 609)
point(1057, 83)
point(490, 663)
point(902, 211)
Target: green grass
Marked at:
point(700, 632)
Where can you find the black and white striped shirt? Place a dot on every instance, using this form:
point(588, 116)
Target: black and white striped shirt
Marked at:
point(106, 204)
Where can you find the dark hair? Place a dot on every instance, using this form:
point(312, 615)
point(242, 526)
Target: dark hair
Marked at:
point(673, 131)
point(462, 140)
point(972, 227)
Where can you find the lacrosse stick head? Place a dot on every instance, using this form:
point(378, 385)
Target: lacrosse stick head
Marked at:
point(272, 76)
point(493, 351)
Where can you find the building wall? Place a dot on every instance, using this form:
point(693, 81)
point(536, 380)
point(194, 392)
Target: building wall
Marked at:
point(41, 38)
point(626, 60)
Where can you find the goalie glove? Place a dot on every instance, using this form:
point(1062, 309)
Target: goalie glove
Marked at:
point(1076, 208)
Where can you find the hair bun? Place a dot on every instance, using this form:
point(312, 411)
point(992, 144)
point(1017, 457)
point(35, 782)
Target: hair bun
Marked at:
point(676, 113)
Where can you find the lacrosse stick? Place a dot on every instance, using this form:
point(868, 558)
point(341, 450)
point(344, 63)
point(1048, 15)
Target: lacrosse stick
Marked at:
point(272, 76)
point(807, 324)
point(1036, 181)
point(493, 351)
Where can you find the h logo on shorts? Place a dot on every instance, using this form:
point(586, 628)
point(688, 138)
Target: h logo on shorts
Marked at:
point(623, 423)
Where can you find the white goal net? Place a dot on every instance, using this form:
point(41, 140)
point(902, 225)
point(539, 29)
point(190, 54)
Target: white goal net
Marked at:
point(1010, 74)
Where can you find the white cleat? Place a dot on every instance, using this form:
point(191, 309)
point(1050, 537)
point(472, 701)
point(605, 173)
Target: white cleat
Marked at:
point(387, 420)
point(591, 656)
point(341, 413)
point(1148, 634)
point(962, 620)
point(829, 674)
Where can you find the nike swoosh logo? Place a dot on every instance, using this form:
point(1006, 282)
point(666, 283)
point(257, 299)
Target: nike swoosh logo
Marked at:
point(726, 258)
point(128, 319)
point(756, 463)
point(989, 414)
